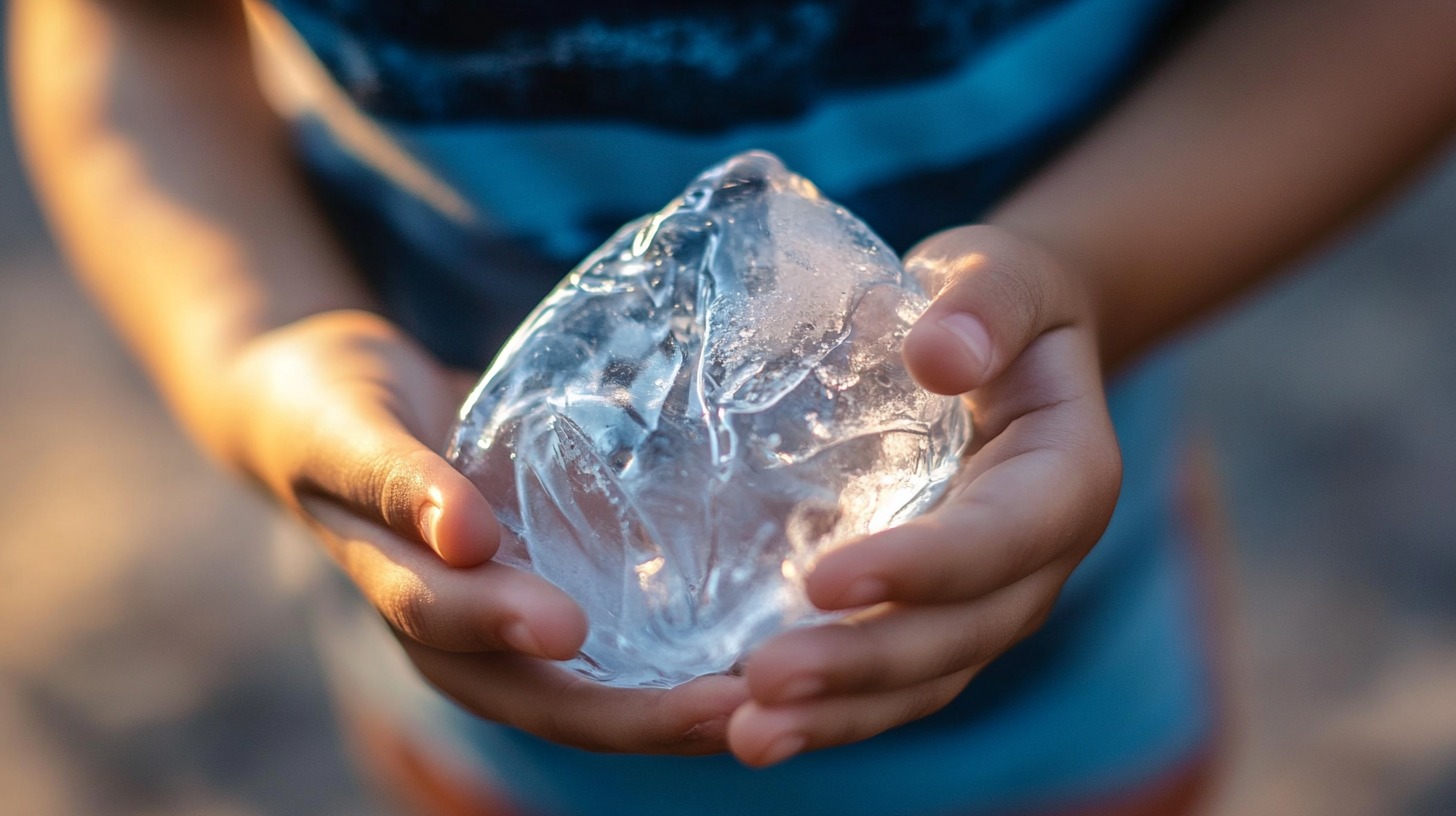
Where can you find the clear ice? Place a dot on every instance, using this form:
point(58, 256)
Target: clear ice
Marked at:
point(697, 410)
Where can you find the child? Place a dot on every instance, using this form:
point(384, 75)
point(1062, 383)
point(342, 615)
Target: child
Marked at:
point(447, 163)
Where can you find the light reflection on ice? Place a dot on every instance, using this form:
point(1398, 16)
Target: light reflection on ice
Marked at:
point(703, 405)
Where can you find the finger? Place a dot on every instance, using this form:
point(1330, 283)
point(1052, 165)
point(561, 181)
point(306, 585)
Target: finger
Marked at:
point(369, 462)
point(894, 646)
point(995, 294)
point(350, 398)
point(563, 707)
point(1015, 520)
point(762, 735)
point(1040, 489)
point(488, 607)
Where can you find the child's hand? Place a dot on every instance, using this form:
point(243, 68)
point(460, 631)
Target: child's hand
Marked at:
point(328, 413)
point(948, 592)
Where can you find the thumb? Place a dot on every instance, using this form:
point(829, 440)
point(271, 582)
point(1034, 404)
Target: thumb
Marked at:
point(370, 463)
point(995, 293)
point(333, 408)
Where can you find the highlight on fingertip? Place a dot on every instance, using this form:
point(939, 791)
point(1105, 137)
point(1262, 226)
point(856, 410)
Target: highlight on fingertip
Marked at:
point(463, 531)
point(429, 523)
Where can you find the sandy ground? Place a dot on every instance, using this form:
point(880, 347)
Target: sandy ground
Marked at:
point(148, 667)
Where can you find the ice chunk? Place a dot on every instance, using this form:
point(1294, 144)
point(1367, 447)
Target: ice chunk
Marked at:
point(697, 410)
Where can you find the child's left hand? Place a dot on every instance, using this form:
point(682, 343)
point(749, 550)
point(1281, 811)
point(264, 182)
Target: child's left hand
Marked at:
point(1011, 329)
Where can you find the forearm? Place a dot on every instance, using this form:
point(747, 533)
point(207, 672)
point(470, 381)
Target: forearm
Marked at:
point(1269, 129)
point(168, 184)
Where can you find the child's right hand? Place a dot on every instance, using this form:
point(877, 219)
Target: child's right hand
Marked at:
point(931, 602)
point(329, 413)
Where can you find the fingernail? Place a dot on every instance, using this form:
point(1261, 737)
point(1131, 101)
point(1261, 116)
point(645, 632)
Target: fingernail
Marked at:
point(801, 689)
point(864, 592)
point(782, 748)
point(518, 637)
point(973, 336)
point(429, 517)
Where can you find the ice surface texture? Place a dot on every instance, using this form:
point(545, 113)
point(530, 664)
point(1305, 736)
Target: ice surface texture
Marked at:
point(697, 410)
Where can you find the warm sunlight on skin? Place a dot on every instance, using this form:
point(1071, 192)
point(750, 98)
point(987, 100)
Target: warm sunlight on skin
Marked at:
point(174, 191)
point(296, 83)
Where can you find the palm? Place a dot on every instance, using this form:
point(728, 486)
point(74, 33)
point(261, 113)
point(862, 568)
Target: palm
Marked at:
point(347, 415)
point(932, 601)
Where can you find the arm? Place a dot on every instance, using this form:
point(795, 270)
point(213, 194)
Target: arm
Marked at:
point(170, 185)
point(1259, 137)
point(1271, 130)
point(167, 183)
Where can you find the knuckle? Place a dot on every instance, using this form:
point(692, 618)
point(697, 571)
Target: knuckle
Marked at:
point(1002, 278)
point(372, 475)
point(674, 737)
point(681, 735)
point(1017, 291)
point(395, 485)
point(703, 735)
point(408, 608)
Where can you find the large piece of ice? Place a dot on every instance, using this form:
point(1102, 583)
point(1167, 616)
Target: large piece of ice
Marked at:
point(697, 410)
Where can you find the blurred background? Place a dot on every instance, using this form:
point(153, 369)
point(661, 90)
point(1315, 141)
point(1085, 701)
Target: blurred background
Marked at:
point(147, 666)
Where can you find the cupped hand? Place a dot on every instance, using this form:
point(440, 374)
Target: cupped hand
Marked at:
point(934, 600)
point(339, 416)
